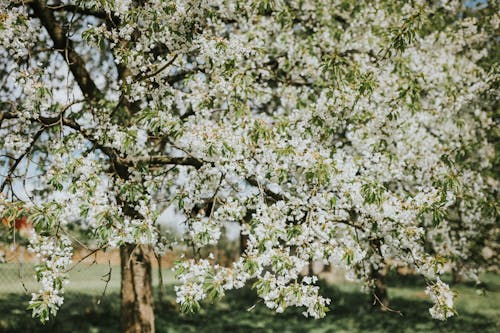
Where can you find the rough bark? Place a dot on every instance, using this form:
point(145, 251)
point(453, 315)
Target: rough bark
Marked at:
point(137, 315)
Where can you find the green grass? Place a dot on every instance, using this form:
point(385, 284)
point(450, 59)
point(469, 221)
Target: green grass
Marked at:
point(83, 279)
point(351, 311)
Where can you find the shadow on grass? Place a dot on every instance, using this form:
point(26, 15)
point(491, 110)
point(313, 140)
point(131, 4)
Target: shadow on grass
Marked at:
point(80, 313)
point(351, 312)
point(488, 282)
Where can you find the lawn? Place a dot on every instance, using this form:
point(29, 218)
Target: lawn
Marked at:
point(87, 310)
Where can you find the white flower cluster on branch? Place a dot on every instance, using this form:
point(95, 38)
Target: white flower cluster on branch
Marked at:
point(54, 256)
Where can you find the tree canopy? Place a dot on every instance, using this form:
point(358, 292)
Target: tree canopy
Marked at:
point(358, 133)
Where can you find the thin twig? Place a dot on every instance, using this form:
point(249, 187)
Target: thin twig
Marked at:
point(383, 306)
point(85, 257)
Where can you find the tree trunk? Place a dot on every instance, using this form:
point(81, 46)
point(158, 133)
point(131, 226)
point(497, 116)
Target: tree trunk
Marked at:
point(380, 296)
point(137, 314)
point(456, 277)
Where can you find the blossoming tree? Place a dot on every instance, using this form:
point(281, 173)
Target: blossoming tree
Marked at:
point(337, 131)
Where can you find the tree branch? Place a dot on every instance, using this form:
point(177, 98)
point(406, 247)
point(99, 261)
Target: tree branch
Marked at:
point(166, 160)
point(65, 46)
point(158, 71)
point(112, 153)
point(85, 11)
point(13, 167)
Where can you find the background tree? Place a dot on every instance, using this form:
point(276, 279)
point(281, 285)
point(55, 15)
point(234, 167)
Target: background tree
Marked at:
point(332, 131)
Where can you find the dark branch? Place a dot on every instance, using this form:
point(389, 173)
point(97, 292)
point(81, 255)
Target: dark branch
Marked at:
point(166, 160)
point(113, 154)
point(150, 75)
point(197, 163)
point(58, 34)
point(85, 11)
point(13, 167)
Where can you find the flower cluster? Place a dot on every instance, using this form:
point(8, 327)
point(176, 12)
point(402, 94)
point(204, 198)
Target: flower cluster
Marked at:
point(442, 297)
point(54, 256)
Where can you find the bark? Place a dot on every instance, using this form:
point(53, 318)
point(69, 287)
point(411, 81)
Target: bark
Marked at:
point(310, 268)
point(137, 314)
point(244, 237)
point(160, 278)
point(243, 243)
point(456, 277)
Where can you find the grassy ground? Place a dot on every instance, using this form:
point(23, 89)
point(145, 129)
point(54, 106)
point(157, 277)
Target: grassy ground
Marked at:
point(82, 311)
point(84, 279)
